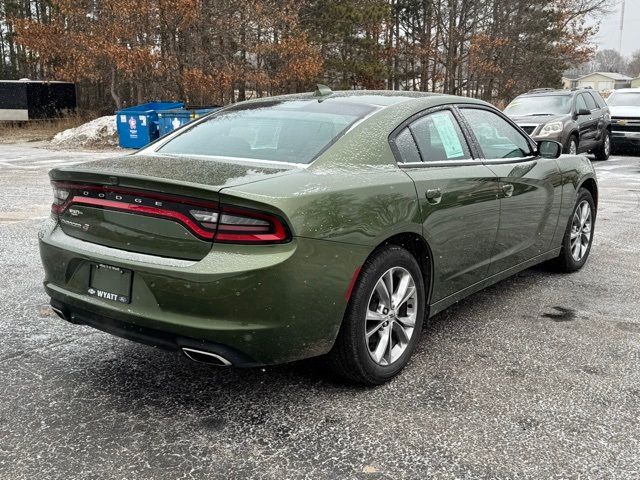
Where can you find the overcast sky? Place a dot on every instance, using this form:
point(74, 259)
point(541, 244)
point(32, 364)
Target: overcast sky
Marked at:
point(609, 36)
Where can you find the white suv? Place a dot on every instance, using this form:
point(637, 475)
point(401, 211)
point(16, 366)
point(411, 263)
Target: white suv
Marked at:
point(625, 117)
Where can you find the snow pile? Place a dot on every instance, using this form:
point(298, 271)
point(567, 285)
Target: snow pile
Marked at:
point(98, 133)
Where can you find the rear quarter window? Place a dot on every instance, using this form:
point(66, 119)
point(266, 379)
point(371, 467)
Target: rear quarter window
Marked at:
point(407, 147)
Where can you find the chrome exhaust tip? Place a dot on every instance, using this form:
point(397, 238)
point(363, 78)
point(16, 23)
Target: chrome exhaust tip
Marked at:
point(59, 312)
point(205, 357)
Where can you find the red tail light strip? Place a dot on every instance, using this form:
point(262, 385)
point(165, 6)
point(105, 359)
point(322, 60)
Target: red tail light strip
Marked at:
point(145, 210)
point(234, 234)
point(249, 237)
point(177, 209)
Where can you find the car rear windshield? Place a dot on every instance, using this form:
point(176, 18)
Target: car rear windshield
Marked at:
point(539, 105)
point(293, 131)
point(624, 99)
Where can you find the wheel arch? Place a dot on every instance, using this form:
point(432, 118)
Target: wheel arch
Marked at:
point(417, 246)
point(574, 133)
point(592, 187)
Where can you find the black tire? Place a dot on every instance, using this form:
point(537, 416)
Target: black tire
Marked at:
point(603, 151)
point(350, 357)
point(572, 138)
point(565, 262)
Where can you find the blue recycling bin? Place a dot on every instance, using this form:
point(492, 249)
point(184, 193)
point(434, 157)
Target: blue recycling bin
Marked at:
point(138, 125)
point(169, 120)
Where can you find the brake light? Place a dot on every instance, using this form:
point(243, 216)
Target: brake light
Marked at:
point(206, 220)
point(237, 225)
point(60, 197)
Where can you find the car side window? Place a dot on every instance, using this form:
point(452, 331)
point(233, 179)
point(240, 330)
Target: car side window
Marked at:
point(591, 104)
point(439, 137)
point(407, 147)
point(599, 100)
point(497, 137)
point(580, 103)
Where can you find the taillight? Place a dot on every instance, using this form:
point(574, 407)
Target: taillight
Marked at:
point(206, 220)
point(60, 198)
point(236, 225)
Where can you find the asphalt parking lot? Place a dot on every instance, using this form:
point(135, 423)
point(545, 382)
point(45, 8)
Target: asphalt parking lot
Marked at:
point(536, 377)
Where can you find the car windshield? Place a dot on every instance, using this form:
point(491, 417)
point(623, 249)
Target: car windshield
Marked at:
point(539, 105)
point(624, 99)
point(293, 131)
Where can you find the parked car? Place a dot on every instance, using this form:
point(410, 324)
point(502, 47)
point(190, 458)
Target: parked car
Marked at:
point(579, 119)
point(625, 117)
point(315, 224)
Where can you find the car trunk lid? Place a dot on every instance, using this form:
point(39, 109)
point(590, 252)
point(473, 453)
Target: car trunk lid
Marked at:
point(208, 173)
point(154, 205)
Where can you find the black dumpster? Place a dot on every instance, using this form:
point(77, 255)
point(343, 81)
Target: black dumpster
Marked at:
point(29, 100)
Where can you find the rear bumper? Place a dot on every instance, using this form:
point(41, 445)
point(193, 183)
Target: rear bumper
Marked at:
point(264, 304)
point(148, 336)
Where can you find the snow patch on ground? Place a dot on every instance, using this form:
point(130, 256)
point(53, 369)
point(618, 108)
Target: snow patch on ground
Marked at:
point(98, 133)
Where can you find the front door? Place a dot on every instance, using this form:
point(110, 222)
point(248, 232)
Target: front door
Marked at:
point(588, 124)
point(530, 188)
point(457, 195)
point(598, 116)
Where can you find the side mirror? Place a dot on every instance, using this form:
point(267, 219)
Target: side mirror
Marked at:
point(583, 111)
point(549, 149)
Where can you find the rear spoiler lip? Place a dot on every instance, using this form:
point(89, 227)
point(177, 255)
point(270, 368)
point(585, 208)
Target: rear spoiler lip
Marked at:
point(135, 181)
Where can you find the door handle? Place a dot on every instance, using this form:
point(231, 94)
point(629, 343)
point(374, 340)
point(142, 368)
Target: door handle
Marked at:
point(434, 195)
point(507, 189)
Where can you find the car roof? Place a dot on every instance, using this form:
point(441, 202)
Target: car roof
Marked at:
point(547, 93)
point(560, 92)
point(376, 98)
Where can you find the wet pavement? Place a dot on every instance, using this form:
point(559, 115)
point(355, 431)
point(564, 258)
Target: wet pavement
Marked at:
point(535, 377)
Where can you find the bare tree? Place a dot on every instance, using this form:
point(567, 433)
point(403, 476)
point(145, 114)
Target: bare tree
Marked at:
point(222, 51)
point(609, 61)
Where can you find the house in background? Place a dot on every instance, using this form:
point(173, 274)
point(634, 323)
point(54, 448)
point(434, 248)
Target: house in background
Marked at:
point(569, 82)
point(635, 83)
point(603, 81)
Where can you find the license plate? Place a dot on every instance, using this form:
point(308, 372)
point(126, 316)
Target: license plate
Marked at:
point(110, 283)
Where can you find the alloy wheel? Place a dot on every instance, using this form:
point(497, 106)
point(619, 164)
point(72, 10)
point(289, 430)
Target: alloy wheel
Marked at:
point(391, 316)
point(573, 147)
point(581, 230)
point(607, 145)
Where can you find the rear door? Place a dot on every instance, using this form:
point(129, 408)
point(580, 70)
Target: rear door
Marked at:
point(457, 195)
point(530, 187)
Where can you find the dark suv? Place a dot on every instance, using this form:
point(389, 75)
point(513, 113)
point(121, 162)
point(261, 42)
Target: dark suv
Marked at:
point(578, 119)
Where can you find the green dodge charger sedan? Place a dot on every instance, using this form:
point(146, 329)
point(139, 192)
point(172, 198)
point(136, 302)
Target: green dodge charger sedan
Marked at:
point(321, 224)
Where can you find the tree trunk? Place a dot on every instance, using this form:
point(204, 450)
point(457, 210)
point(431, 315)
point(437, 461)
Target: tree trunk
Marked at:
point(113, 91)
